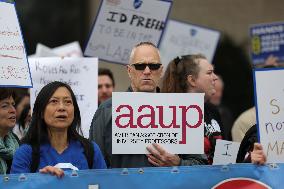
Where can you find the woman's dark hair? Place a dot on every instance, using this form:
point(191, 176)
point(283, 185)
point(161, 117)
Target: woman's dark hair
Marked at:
point(37, 132)
point(6, 93)
point(20, 95)
point(175, 78)
point(23, 116)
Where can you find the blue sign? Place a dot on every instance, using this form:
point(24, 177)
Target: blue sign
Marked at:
point(266, 40)
point(238, 176)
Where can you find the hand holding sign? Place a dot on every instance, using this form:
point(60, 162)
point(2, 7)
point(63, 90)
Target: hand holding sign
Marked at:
point(257, 155)
point(161, 158)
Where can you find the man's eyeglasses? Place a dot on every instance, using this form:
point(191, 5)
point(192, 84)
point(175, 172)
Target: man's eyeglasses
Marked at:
point(143, 66)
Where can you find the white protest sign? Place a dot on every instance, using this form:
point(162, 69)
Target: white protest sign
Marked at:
point(14, 68)
point(173, 120)
point(68, 50)
point(79, 73)
point(182, 39)
point(225, 152)
point(269, 91)
point(44, 51)
point(120, 25)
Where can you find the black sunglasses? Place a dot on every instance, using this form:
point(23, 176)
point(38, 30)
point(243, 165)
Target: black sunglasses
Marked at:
point(143, 66)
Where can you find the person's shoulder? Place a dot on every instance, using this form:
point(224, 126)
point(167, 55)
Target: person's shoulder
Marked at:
point(106, 104)
point(95, 145)
point(25, 148)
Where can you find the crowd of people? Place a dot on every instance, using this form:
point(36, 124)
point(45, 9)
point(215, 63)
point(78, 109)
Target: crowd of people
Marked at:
point(52, 135)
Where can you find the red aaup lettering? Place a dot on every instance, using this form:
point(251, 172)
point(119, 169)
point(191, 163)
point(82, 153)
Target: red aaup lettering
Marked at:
point(130, 116)
point(184, 122)
point(151, 117)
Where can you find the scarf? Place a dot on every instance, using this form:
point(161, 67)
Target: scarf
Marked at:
point(8, 146)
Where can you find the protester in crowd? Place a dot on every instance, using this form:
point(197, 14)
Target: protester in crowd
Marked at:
point(53, 136)
point(225, 113)
point(194, 74)
point(9, 142)
point(106, 84)
point(248, 118)
point(144, 71)
point(22, 99)
point(245, 129)
point(23, 122)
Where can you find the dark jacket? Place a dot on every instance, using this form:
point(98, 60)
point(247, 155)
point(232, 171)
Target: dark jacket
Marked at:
point(213, 129)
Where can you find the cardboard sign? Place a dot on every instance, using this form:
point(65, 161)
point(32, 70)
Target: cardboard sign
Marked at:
point(14, 68)
point(120, 25)
point(267, 39)
point(173, 120)
point(183, 39)
point(225, 152)
point(269, 91)
point(79, 73)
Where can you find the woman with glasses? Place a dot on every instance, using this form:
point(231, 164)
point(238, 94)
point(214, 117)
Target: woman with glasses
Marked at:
point(9, 142)
point(194, 74)
point(53, 136)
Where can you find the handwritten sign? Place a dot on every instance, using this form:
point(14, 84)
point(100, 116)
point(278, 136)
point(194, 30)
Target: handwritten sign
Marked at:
point(182, 39)
point(14, 68)
point(267, 39)
point(79, 73)
point(225, 152)
point(174, 120)
point(269, 91)
point(120, 25)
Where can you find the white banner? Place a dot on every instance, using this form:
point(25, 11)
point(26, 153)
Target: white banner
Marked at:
point(122, 24)
point(80, 73)
point(183, 39)
point(173, 120)
point(270, 113)
point(14, 68)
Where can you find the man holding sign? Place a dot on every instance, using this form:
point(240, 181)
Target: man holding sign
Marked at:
point(144, 71)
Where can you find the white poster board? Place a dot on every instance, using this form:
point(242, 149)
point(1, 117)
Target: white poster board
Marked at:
point(225, 152)
point(120, 25)
point(14, 68)
point(173, 120)
point(269, 91)
point(182, 39)
point(79, 73)
point(68, 50)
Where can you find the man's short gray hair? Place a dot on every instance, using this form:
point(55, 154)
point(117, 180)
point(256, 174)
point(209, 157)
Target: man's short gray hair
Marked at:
point(141, 44)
